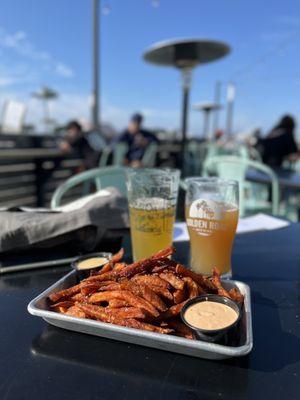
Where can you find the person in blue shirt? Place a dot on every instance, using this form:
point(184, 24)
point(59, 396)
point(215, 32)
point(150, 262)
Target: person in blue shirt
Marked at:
point(137, 140)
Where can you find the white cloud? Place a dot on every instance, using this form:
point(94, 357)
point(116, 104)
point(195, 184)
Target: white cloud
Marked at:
point(7, 81)
point(19, 43)
point(64, 71)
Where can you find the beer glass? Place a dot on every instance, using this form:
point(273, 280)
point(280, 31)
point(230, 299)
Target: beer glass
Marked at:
point(152, 197)
point(211, 211)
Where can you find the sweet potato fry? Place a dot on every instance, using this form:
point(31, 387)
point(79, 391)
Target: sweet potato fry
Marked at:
point(63, 294)
point(163, 253)
point(110, 287)
point(61, 310)
point(154, 280)
point(172, 311)
point(64, 304)
point(119, 266)
point(193, 288)
point(99, 313)
point(115, 303)
point(148, 294)
point(126, 312)
point(138, 267)
point(88, 288)
point(144, 292)
point(181, 329)
point(217, 283)
point(149, 327)
point(173, 280)
point(236, 295)
point(107, 276)
point(96, 312)
point(163, 292)
point(78, 297)
point(117, 257)
point(201, 280)
point(179, 296)
point(126, 295)
point(106, 268)
point(75, 311)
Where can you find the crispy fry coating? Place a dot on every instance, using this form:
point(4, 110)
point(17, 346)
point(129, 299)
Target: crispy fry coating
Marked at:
point(117, 257)
point(119, 266)
point(181, 329)
point(200, 279)
point(173, 311)
point(164, 253)
point(126, 295)
point(179, 295)
point(115, 303)
point(75, 311)
point(236, 295)
point(110, 275)
point(105, 268)
point(217, 283)
point(54, 297)
point(126, 312)
point(148, 294)
point(173, 280)
point(88, 288)
point(163, 292)
point(64, 304)
point(154, 280)
point(192, 287)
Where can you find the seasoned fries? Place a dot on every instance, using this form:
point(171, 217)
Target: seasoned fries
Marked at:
point(148, 294)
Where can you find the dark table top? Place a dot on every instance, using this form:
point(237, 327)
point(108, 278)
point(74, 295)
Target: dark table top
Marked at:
point(287, 178)
point(39, 361)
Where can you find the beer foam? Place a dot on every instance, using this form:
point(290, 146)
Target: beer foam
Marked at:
point(151, 203)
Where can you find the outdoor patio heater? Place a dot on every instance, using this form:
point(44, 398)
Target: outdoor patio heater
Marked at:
point(185, 54)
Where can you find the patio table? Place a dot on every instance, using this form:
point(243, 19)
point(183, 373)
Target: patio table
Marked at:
point(39, 361)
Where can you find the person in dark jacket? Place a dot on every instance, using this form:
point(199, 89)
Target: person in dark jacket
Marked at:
point(76, 142)
point(137, 140)
point(280, 143)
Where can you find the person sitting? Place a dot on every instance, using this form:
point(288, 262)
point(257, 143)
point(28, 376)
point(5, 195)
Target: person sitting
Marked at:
point(137, 140)
point(280, 143)
point(76, 142)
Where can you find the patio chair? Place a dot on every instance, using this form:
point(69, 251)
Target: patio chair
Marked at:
point(232, 167)
point(149, 157)
point(101, 177)
point(119, 154)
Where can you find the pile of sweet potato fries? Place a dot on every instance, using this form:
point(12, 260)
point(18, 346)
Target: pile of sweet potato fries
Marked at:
point(148, 294)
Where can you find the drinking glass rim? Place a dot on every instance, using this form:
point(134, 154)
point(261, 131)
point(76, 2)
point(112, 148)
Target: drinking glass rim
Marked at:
point(149, 171)
point(212, 181)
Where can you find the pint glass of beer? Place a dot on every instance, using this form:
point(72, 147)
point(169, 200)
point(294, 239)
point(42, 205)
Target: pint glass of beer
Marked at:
point(152, 197)
point(211, 211)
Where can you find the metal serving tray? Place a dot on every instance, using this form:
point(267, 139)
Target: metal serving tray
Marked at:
point(196, 348)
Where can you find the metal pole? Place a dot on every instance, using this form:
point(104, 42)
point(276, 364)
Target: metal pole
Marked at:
point(230, 103)
point(217, 100)
point(206, 124)
point(95, 90)
point(186, 84)
point(46, 115)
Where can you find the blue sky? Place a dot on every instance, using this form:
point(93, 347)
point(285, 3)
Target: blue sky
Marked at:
point(48, 42)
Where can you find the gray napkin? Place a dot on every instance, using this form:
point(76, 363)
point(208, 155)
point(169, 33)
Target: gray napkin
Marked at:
point(101, 217)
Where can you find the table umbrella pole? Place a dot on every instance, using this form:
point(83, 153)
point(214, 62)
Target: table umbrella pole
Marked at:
point(186, 85)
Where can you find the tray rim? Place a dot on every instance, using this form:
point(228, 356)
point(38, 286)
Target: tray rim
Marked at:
point(104, 327)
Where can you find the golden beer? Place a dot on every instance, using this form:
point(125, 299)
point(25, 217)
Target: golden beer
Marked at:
point(152, 195)
point(212, 228)
point(151, 229)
